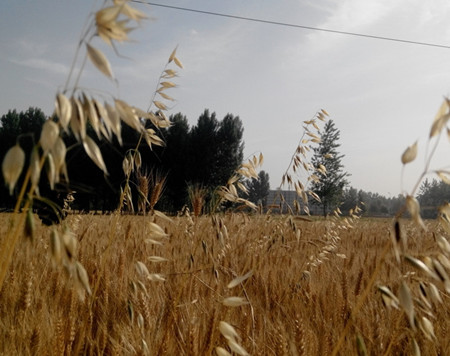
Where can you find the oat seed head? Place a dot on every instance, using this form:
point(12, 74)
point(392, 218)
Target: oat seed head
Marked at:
point(99, 60)
point(12, 166)
point(410, 154)
point(234, 301)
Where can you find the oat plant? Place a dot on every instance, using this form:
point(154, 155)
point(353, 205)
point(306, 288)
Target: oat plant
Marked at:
point(300, 171)
point(77, 107)
point(421, 291)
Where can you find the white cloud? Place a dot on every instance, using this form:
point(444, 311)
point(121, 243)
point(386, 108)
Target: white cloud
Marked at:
point(352, 15)
point(42, 64)
point(29, 48)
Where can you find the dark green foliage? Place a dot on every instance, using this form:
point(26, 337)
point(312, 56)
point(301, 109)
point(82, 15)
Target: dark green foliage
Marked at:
point(229, 148)
point(25, 128)
point(216, 149)
point(331, 186)
point(50, 208)
point(432, 194)
point(175, 163)
point(372, 204)
point(203, 150)
point(14, 124)
point(205, 155)
point(349, 199)
point(258, 189)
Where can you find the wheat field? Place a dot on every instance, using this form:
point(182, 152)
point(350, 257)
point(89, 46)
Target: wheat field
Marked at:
point(226, 284)
point(307, 277)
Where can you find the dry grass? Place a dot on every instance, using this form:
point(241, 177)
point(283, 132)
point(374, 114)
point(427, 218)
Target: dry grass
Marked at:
point(42, 311)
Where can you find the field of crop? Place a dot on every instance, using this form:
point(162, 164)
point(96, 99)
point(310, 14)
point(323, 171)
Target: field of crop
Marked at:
point(157, 292)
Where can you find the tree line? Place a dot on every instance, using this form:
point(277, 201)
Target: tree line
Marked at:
point(202, 156)
point(432, 194)
point(371, 204)
point(193, 160)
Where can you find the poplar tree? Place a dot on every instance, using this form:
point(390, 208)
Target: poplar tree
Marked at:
point(332, 179)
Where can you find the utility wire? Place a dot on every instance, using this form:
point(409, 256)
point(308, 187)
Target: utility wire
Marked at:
point(277, 23)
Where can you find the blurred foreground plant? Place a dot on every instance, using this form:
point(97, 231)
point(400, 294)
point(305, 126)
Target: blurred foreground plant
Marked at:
point(76, 108)
point(420, 292)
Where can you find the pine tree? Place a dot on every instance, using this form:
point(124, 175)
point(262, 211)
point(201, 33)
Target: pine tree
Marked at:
point(331, 184)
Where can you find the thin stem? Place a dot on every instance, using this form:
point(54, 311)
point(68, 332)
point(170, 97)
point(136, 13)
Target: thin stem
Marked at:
point(77, 80)
point(156, 89)
point(84, 32)
point(295, 152)
point(427, 165)
point(127, 179)
point(305, 128)
point(72, 67)
point(391, 342)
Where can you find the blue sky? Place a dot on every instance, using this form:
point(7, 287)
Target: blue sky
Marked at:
point(382, 95)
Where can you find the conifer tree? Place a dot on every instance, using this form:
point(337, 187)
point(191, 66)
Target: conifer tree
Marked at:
point(332, 179)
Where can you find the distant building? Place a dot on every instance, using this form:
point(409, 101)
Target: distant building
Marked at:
point(285, 201)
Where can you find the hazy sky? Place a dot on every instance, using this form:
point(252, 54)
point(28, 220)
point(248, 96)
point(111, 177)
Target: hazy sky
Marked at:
point(382, 95)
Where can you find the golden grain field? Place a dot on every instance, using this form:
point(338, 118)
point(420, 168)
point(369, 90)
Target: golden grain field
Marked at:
point(224, 284)
point(307, 278)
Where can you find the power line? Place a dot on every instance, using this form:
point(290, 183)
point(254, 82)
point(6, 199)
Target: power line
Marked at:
point(277, 23)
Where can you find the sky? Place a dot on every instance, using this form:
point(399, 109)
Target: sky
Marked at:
point(382, 95)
